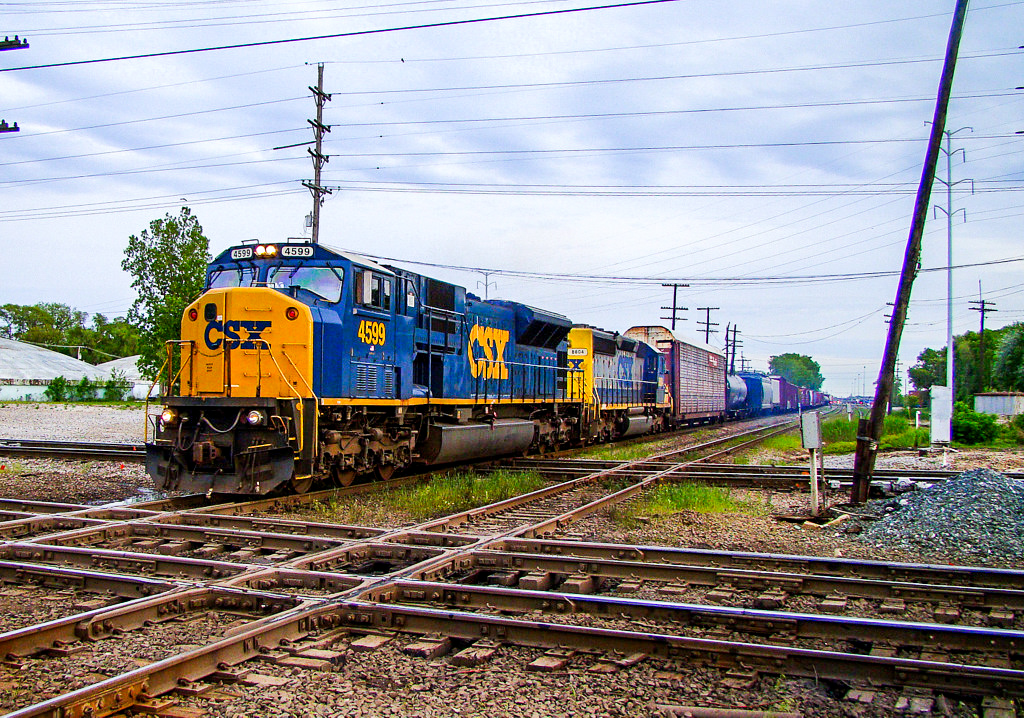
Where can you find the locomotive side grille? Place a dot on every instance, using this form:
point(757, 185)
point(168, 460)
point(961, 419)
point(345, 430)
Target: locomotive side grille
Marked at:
point(389, 381)
point(366, 378)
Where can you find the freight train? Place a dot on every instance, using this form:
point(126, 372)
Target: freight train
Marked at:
point(301, 365)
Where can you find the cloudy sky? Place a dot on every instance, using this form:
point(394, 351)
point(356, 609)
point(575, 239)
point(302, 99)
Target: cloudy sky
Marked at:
point(576, 160)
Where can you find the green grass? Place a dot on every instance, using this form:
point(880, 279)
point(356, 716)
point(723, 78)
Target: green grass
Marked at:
point(667, 500)
point(440, 496)
point(782, 442)
point(626, 453)
point(460, 490)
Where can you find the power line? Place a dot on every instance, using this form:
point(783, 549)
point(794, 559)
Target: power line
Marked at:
point(337, 35)
point(703, 281)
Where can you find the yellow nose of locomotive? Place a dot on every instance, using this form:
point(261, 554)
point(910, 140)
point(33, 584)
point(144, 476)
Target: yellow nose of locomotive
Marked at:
point(247, 341)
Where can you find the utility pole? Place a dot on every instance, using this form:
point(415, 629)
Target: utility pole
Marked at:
point(8, 44)
point(869, 431)
point(735, 345)
point(319, 159)
point(983, 308)
point(950, 212)
point(675, 308)
point(486, 284)
point(707, 323)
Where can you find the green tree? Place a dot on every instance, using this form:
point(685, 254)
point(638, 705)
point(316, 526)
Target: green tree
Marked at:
point(929, 370)
point(1008, 369)
point(65, 329)
point(797, 369)
point(168, 264)
point(968, 374)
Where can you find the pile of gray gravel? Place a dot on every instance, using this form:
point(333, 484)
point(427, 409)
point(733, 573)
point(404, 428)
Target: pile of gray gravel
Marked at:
point(977, 514)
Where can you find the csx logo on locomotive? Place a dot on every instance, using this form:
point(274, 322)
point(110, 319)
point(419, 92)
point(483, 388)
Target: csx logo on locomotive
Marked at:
point(230, 338)
point(492, 342)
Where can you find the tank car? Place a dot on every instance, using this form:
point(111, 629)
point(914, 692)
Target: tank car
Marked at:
point(760, 394)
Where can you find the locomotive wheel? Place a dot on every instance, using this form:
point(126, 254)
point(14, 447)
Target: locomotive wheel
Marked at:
point(343, 478)
point(383, 472)
point(301, 486)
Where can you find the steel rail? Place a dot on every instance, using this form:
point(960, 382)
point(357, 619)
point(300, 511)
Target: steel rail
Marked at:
point(741, 579)
point(974, 576)
point(784, 626)
point(73, 450)
point(135, 687)
point(549, 491)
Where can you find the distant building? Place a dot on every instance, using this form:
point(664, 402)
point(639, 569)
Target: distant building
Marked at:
point(26, 370)
point(1001, 403)
point(128, 368)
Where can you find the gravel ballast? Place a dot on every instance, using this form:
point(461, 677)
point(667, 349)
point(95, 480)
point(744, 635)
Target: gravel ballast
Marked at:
point(978, 514)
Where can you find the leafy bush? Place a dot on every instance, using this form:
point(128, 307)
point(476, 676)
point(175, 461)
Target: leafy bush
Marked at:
point(116, 388)
point(84, 390)
point(1015, 429)
point(58, 389)
point(970, 427)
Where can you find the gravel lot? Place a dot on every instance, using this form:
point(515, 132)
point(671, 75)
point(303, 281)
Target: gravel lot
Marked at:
point(72, 422)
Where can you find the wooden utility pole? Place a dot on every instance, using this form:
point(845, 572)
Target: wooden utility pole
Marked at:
point(707, 323)
point(869, 431)
point(319, 159)
point(983, 308)
point(675, 308)
point(735, 345)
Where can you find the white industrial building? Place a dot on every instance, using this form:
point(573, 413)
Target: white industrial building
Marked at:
point(128, 368)
point(1001, 403)
point(26, 370)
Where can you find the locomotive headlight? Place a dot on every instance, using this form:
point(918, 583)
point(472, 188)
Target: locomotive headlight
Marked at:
point(255, 418)
point(271, 250)
point(261, 250)
point(169, 417)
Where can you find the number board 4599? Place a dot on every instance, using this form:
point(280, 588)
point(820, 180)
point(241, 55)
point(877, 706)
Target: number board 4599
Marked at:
point(372, 332)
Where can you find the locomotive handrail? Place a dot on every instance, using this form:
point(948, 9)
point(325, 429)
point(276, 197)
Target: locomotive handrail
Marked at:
point(169, 365)
point(482, 376)
point(299, 425)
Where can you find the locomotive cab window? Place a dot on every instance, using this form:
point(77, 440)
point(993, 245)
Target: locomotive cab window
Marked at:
point(375, 291)
point(323, 282)
point(232, 277)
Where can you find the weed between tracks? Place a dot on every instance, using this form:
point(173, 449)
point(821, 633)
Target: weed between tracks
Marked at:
point(628, 453)
point(442, 495)
point(667, 500)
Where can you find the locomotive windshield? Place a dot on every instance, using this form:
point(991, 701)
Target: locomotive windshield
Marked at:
point(233, 277)
point(324, 282)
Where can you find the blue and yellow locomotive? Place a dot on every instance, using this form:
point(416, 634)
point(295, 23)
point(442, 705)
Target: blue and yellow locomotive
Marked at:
point(301, 364)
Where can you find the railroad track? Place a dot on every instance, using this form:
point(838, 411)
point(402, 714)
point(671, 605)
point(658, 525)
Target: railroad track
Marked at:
point(294, 593)
point(73, 450)
point(732, 475)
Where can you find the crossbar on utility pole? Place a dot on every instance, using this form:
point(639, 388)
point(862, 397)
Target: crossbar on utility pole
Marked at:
point(869, 431)
point(707, 323)
point(675, 309)
point(319, 159)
